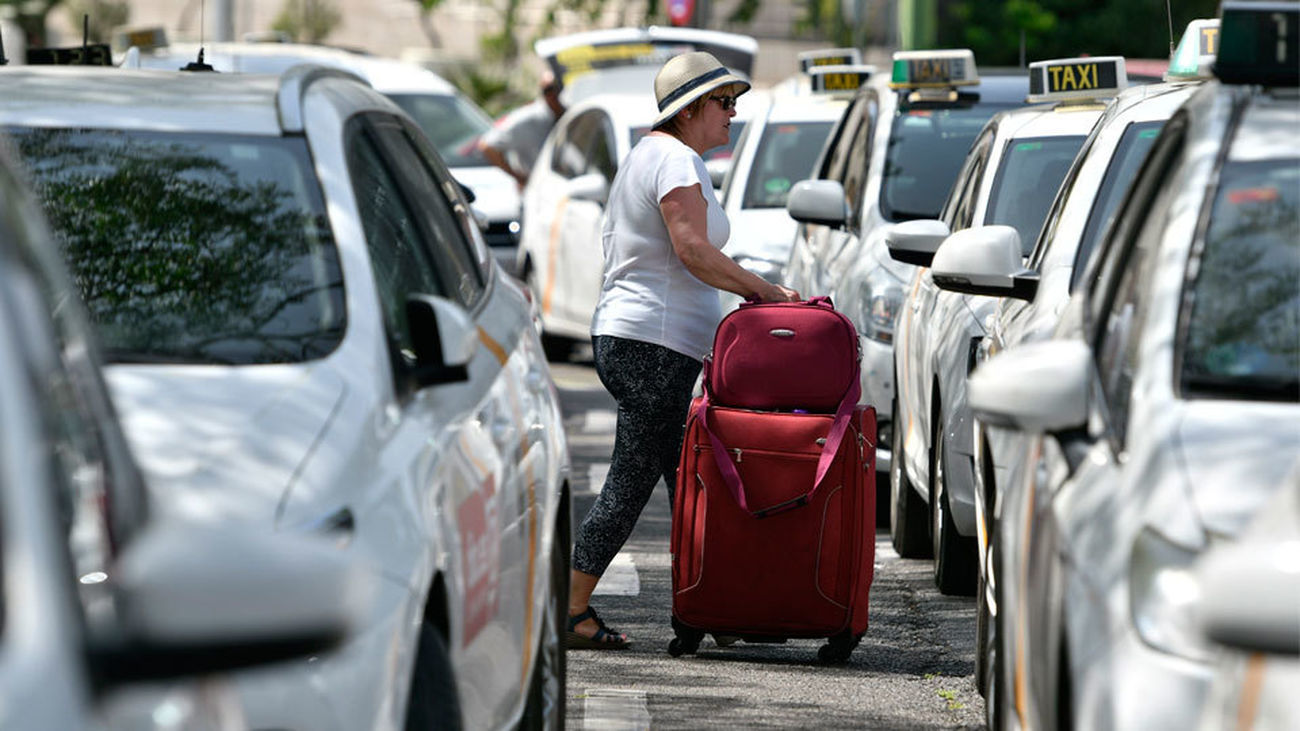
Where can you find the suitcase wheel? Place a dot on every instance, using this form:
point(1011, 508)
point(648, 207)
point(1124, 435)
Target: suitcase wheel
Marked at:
point(839, 647)
point(687, 640)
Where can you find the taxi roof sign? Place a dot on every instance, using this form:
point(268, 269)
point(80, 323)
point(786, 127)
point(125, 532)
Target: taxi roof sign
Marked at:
point(1074, 79)
point(839, 79)
point(829, 57)
point(1259, 43)
point(933, 69)
point(1196, 50)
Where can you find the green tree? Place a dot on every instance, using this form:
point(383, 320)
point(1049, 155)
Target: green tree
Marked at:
point(30, 15)
point(102, 15)
point(308, 21)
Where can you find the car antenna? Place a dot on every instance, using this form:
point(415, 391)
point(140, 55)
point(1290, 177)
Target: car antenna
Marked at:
point(1170, 12)
point(199, 65)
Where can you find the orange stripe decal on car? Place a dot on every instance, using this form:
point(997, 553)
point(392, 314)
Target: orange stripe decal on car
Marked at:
point(553, 254)
point(492, 345)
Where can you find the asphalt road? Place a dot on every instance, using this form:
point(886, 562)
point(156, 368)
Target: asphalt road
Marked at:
point(913, 670)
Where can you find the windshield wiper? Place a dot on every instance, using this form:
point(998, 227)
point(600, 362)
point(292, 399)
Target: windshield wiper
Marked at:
point(1254, 388)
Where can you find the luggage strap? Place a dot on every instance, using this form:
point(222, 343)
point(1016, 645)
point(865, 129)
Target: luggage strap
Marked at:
point(731, 475)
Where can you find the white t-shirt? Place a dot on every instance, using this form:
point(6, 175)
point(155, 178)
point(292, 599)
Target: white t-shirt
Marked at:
point(519, 135)
point(648, 294)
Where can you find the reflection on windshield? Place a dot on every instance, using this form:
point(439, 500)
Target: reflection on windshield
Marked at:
point(1132, 150)
point(926, 150)
point(451, 123)
point(786, 154)
point(192, 248)
point(1031, 171)
point(1243, 332)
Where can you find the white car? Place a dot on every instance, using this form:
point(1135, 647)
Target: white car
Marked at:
point(778, 148)
point(892, 157)
point(306, 332)
point(564, 203)
point(1167, 405)
point(110, 612)
point(451, 120)
point(1002, 193)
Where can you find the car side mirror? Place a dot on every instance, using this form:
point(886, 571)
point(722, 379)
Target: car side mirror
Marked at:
point(203, 598)
point(820, 202)
point(717, 168)
point(985, 260)
point(443, 337)
point(1250, 592)
point(590, 187)
point(467, 191)
point(1037, 387)
point(914, 242)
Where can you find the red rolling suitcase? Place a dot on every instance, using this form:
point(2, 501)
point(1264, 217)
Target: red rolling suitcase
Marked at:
point(773, 532)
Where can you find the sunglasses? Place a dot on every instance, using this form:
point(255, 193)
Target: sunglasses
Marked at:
point(726, 102)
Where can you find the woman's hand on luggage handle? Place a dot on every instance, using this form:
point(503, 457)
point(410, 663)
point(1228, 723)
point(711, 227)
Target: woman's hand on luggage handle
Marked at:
point(777, 293)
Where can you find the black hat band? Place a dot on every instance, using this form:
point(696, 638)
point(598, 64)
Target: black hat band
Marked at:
point(691, 85)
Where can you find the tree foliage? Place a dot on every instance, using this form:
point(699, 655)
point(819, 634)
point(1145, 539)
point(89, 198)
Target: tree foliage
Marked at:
point(308, 21)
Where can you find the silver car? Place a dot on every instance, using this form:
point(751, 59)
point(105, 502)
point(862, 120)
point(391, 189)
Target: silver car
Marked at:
point(1168, 403)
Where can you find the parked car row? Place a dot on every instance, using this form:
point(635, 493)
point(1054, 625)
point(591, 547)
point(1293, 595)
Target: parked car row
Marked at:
point(325, 379)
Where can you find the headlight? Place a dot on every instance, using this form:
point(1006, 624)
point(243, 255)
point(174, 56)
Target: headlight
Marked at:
point(769, 270)
point(1163, 596)
point(879, 302)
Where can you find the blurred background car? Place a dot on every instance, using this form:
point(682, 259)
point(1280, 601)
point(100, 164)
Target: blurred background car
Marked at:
point(111, 612)
point(306, 332)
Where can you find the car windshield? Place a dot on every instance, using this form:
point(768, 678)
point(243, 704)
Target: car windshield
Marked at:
point(722, 152)
point(1242, 312)
point(926, 150)
point(1031, 171)
point(1129, 154)
point(193, 248)
point(787, 153)
point(451, 123)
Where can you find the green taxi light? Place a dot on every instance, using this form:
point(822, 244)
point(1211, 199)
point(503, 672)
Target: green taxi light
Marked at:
point(1076, 79)
point(809, 60)
point(933, 69)
point(1196, 51)
point(1259, 43)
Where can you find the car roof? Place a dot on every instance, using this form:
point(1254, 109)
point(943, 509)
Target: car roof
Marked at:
point(628, 109)
point(1047, 120)
point(807, 108)
point(1268, 130)
point(1000, 86)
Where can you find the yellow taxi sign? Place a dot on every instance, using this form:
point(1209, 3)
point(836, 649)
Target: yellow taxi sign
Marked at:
point(829, 57)
point(933, 69)
point(1066, 79)
point(146, 39)
point(839, 79)
point(1196, 51)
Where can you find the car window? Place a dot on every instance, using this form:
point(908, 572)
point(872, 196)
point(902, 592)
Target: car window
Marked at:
point(855, 171)
point(926, 149)
point(193, 248)
point(1028, 177)
point(784, 156)
point(855, 124)
point(600, 150)
point(569, 157)
point(1241, 337)
point(453, 124)
point(399, 260)
point(959, 209)
point(1129, 154)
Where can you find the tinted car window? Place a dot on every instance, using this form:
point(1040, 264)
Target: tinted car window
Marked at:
point(193, 248)
point(1129, 154)
point(1242, 337)
point(451, 123)
point(926, 149)
point(1028, 177)
point(784, 156)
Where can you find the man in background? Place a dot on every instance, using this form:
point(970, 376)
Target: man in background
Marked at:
point(515, 140)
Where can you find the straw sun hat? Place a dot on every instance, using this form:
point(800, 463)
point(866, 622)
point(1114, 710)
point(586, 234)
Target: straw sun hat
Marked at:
point(687, 77)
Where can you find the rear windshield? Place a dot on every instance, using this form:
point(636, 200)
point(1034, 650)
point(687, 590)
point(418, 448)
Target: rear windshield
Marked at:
point(1132, 150)
point(1242, 338)
point(451, 123)
point(785, 155)
point(926, 150)
point(193, 248)
point(1030, 173)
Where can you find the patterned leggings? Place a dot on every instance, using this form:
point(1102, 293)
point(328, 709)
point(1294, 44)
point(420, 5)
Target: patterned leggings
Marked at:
point(652, 385)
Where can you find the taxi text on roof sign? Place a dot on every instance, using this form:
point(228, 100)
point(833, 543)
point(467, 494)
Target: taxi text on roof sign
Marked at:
point(1067, 79)
point(829, 57)
point(1259, 43)
point(1196, 51)
point(933, 69)
point(839, 79)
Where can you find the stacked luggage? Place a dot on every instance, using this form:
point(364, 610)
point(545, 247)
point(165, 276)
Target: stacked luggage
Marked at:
point(773, 533)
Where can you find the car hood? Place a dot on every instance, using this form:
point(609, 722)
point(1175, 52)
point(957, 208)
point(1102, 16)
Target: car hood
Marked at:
point(762, 233)
point(495, 193)
point(1234, 455)
point(223, 443)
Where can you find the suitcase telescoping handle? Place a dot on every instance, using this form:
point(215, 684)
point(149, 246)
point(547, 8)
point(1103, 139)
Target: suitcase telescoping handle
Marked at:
point(731, 475)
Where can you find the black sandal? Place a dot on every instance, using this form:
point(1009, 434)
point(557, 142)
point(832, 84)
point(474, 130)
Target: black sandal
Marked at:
point(604, 639)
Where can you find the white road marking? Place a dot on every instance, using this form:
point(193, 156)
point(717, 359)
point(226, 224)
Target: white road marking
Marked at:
point(599, 421)
point(614, 709)
point(596, 473)
point(620, 579)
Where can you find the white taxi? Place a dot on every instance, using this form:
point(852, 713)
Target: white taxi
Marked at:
point(306, 332)
point(1001, 195)
point(779, 147)
point(892, 157)
point(1167, 404)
